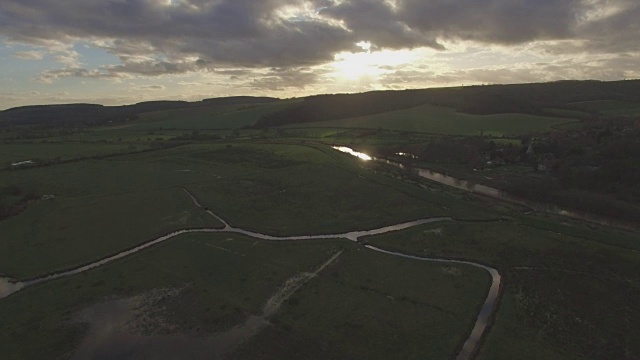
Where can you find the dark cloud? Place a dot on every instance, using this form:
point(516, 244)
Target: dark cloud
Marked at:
point(378, 22)
point(281, 79)
point(239, 32)
point(619, 32)
point(53, 75)
point(492, 21)
point(157, 37)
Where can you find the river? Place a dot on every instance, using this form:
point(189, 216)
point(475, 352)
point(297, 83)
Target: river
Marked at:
point(491, 192)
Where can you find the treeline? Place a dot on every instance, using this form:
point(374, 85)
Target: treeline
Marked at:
point(239, 100)
point(549, 190)
point(608, 163)
point(535, 98)
point(595, 169)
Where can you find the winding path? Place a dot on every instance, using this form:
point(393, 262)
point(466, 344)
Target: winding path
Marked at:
point(469, 348)
point(471, 345)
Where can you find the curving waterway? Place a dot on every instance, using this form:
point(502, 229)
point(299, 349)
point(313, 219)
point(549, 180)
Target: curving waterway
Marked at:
point(470, 347)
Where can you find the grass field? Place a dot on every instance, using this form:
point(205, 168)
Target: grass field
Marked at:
point(301, 190)
point(225, 117)
point(358, 306)
point(100, 207)
point(63, 151)
point(64, 232)
point(440, 120)
point(122, 174)
point(610, 107)
point(354, 311)
point(103, 206)
point(569, 290)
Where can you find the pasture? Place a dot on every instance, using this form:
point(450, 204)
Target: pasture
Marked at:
point(569, 288)
point(199, 287)
point(446, 121)
point(610, 107)
point(38, 151)
point(216, 117)
point(103, 206)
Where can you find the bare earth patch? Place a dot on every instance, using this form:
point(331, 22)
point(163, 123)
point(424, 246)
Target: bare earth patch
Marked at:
point(134, 328)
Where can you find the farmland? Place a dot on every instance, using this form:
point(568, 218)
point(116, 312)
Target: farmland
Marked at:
point(215, 117)
point(573, 266)
point(446, 121)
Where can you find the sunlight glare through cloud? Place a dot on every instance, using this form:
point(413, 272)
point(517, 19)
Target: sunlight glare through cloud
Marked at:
point(350, 65)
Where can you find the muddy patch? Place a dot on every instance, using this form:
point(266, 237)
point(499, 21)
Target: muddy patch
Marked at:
point(134, 328)
point(128, 328)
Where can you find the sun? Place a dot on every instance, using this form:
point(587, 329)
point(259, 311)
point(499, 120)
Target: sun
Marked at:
point(355, 65)
point(368, 63)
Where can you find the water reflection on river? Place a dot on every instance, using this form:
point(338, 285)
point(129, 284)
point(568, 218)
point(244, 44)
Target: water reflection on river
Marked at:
point(347, 150)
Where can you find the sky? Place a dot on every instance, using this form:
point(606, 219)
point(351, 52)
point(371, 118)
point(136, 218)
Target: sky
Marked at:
point(126, 51)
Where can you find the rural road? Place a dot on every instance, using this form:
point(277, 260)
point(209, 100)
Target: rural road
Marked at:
point(470, 347)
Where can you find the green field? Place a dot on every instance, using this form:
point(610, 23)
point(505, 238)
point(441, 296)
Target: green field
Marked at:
point(354, 312)
point(610, 107)
point(216, 117)
point(17, 152)
point(307, 190)
point(218, 281)
point(64, 232)
point(440, 120)
point(103, 206)
point(568, 288)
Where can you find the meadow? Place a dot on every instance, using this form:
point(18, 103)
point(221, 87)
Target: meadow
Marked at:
point(569, 288)
point(17, 152)
point(102, 206)
point(610, 107)
point(446, 121)
point(207, 284)
point(207, 117)
point(52, 235)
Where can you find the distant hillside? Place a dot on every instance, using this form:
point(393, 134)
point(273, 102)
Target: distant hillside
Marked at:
point(341, 106)
point(78, 115)
point(561, 98)
point(236, 100)
point(564, 99)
